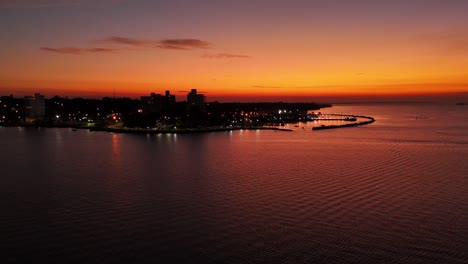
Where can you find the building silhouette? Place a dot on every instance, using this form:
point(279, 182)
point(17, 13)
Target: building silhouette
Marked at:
point(34, 108)
point(169, 103)
point(196, 101)
point(157, 103)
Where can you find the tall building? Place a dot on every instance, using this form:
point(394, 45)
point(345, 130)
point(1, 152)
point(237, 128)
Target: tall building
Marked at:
point(34, 108)
point(157, 103)
point(169, 103)
point(195, 101)
point(152, 103)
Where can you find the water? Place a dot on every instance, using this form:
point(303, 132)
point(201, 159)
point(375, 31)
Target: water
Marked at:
point(390, 192)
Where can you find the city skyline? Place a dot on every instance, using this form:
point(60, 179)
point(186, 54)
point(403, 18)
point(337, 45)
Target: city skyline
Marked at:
point(236, 51)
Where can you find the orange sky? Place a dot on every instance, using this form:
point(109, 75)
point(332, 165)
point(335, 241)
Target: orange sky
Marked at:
point(234, 50)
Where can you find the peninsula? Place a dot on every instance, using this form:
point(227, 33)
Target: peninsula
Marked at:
point(159, 113)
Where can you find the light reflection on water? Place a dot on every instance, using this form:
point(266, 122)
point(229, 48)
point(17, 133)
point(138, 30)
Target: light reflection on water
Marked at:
point(392, 191)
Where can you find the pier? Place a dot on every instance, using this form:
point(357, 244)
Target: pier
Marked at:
point(344, 117)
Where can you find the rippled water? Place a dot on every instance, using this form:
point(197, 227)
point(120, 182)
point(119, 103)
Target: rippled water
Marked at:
point(394, 191)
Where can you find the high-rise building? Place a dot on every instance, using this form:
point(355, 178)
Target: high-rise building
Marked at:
point(152, 103)
point(157, 103)
point(34, 108)
point(195, 100)
point(169, 103)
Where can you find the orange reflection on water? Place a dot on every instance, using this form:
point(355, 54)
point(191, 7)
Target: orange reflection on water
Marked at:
point(115, 147)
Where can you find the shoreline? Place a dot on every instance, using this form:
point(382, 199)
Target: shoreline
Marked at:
point(206, 130)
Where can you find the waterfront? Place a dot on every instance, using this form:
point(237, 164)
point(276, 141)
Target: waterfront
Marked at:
point(392, 191)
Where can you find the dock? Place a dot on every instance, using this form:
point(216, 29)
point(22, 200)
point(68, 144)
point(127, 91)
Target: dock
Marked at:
point(345, 117)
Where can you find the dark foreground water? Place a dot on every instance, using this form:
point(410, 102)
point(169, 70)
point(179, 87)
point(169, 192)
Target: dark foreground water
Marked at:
point(395, 191)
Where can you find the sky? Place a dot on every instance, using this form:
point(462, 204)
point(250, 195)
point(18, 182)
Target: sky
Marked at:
point(255, 50)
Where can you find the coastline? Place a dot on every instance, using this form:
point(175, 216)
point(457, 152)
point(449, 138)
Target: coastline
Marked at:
point(208, 129)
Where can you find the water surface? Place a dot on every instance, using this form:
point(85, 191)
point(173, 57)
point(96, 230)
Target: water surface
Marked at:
point(390, 192)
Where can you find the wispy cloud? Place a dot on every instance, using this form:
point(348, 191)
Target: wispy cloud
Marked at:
point(226, 56)
point(128, 41)
point(183, 44)
point(50, 3)
point(78, 51)
point(172, 44)
point(117, 44)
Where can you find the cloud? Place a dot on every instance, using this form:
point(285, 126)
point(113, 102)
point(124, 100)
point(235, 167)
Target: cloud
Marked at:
point(128, 41)
point(172, 44)
point(100, 50)
point(226, 56)
point(77, 51)
point(183, 44)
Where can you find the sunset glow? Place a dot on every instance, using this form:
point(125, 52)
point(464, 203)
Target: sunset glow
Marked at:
point(235, 50)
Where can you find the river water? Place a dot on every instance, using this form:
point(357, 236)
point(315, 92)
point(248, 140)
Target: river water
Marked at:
point(394, 191)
